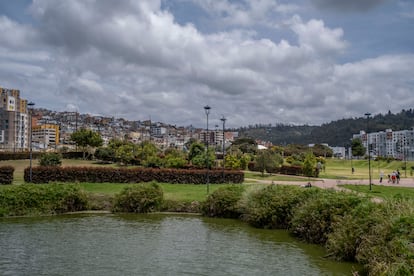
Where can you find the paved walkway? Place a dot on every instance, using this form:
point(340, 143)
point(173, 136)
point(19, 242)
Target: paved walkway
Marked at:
point(333, 183)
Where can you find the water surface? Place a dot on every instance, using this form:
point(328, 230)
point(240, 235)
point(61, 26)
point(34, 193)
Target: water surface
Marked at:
point(154, 245)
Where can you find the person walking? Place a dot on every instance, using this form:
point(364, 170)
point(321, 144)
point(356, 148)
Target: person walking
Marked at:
point(381, 176)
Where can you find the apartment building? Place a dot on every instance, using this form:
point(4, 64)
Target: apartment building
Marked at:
point(14, 121)
point(389, 143)
point(45, 136)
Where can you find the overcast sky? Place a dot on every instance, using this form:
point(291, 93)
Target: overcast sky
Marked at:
point(252, 61)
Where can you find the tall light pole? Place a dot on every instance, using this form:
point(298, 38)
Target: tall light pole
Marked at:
point(207, 111)
point(369, 151)
point(224, 153)
point(30, 104)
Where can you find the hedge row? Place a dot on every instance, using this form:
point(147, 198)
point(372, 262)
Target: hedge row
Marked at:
point(289, 170)
point(18, 155)
point(42, 174)
point(35, 155)
point(6, 174)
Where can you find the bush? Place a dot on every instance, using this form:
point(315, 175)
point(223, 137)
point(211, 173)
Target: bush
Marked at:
point(142, 198)
point(387, 248)
point(312, 221)
point(31, 199)
point(223, 202)
point(50, 159)
point(272, 207)
point(6, 174)
point(348, 231)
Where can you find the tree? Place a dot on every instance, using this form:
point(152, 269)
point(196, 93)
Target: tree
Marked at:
point(309, 164)
point(85, 138)
point(125, 153)
point(267, 160)
point(196, 149)
point(174, 159)
point(357, 147)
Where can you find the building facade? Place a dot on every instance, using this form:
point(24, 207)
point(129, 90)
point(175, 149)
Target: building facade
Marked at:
point(14, 121)
point(389, 143)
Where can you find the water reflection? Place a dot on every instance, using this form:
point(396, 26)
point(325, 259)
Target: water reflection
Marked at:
point(153, 245)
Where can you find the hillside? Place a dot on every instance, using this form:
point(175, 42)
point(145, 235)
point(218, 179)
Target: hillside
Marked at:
point(335, 133)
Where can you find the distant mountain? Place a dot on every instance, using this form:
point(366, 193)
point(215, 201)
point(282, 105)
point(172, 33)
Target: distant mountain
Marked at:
point(335, 133)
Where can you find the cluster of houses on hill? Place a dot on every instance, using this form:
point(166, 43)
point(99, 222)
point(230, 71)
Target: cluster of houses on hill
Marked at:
point(22, 125)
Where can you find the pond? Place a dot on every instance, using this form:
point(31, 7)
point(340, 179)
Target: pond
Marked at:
point(154, 244)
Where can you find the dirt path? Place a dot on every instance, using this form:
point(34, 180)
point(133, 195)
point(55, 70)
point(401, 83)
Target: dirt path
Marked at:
point(333, 183)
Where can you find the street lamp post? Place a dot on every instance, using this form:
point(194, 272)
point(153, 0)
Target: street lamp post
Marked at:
point(207, 111)
point(30, 104)
point(224, 153)
point(369, 151)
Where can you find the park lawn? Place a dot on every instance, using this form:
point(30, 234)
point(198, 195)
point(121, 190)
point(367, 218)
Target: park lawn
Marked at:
point(386, 192)
point(274, 177)
point(177, 192)
point(342, 169)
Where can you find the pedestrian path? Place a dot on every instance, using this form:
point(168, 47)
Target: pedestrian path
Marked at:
point(333, 183)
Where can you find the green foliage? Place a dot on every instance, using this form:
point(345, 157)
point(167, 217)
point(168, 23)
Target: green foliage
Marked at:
point(125, 153)
point(6, 174)
point(174, 159)
point(50, 159)
point(322, 150)
point(86, 138)
point(312, 221)
point(200, 160)
point(387, 246)
point(105, 154)
point(244, 145)
point(223, 202)
point(29, 199)
point(143, 198)
point(237, 161)
point(272, 207)
point(196, 149)
point(267, 160)
point(348, 231)
point(357, 147)
point(309, 165)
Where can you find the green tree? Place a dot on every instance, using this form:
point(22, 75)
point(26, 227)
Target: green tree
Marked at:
point(125, 153)
point(200, 160)
point(174, 158)
point(267, 160)
point(357, 147)
point(309, 164)
point(85, 138)
point(196, 149)
point(105, 154)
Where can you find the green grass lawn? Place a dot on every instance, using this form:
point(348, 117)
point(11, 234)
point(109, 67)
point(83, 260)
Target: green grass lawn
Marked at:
point(178, 192)
point(382, 191)
point(342, 169)
point(275, 177)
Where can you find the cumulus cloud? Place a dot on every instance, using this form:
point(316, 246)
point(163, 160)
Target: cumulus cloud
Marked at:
point(132, 59)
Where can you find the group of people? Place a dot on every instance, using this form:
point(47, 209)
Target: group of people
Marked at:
point(393, 178)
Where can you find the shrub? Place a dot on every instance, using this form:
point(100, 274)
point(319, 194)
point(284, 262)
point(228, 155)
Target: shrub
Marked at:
point(387, 247)
point(223, 202)
point(312, 220)
point(6, 174)
point(31, 199)
point(272, 207)
point(349, 230)
point(50, 159)
point(142, 198)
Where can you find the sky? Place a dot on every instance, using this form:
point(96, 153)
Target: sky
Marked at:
point(252, 61)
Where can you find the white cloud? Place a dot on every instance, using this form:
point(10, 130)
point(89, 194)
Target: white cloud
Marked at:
point(133, 59)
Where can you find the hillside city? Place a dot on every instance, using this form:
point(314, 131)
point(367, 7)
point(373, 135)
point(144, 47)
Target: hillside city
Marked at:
point(51, 130)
